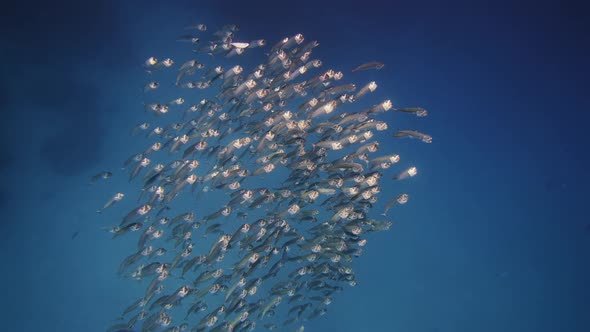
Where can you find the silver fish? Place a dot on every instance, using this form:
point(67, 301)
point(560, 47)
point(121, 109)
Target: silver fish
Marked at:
point(369, 65)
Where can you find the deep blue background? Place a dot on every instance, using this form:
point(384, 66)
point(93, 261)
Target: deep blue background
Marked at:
point(496, 237)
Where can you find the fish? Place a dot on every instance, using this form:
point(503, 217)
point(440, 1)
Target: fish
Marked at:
point(150, 63)
point(198, 26)
point(151, 86)
point(369, 65)
point(104, 175)
point(240, 44)
point(116, 198)
point(139, 128)
point(407, 173)
point(400, 199)
point(281, 172)
point(417, 111)
point(413, 134)
point(189, 38)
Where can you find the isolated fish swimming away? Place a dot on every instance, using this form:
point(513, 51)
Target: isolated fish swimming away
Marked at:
point(255, 187)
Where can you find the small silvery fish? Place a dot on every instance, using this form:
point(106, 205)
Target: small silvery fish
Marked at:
point(369, 65)
point(289, 169)
point(101, 176)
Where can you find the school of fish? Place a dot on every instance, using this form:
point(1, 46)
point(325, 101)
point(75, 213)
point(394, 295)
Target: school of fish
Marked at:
point(294, 160)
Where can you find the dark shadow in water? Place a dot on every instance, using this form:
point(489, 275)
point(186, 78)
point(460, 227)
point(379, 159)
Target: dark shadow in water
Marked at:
point(62, 95)
point(48, 51)
point(69, 30)
point(3, 199)
point(73, 147)
point(553, 186)
point(7, 158)
point(47, 196)
point(73, 150)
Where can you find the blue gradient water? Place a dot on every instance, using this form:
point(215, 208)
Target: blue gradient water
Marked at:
point(496, 235)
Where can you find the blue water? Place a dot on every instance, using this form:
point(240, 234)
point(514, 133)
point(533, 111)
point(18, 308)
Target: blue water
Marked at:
point(495, 237)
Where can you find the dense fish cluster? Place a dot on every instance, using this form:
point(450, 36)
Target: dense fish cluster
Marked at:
point(295, 162)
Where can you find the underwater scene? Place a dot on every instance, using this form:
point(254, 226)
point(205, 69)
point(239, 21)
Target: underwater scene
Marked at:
point(295, 166)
